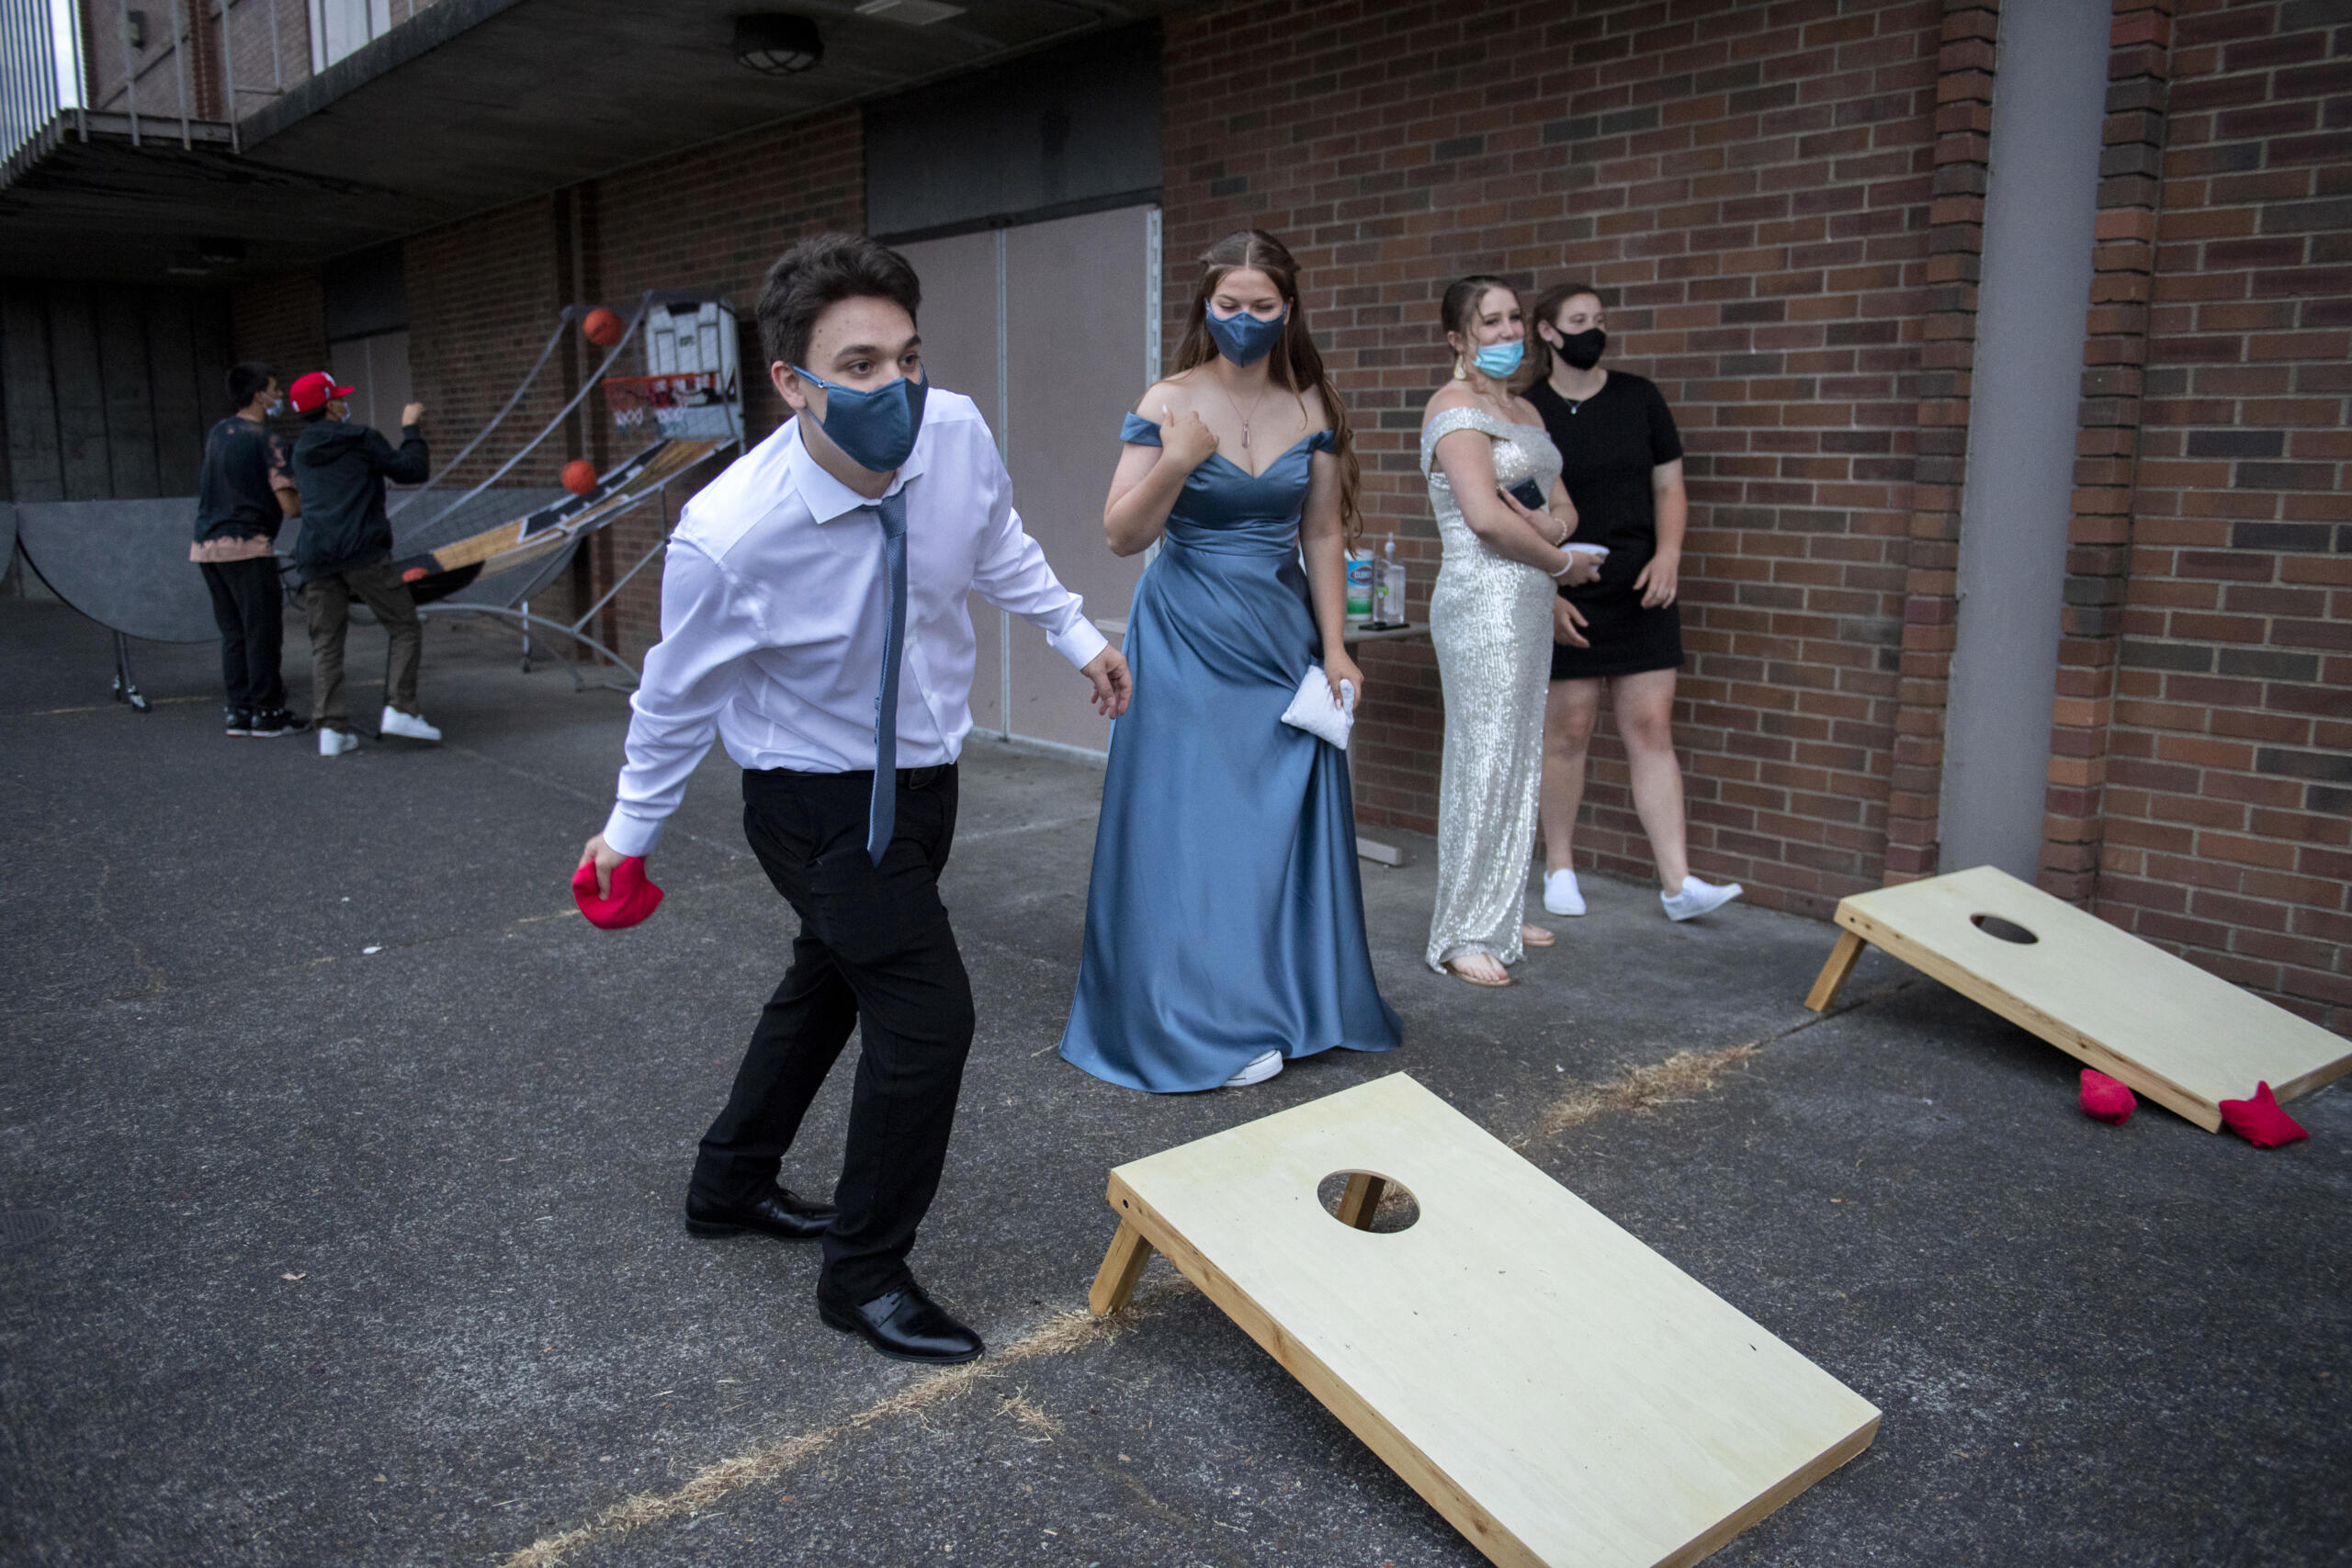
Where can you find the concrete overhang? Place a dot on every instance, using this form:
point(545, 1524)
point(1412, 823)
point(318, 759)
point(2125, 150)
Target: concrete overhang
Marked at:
point(471, 105)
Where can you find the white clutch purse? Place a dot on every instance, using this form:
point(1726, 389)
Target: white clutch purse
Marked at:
point(1312, 709)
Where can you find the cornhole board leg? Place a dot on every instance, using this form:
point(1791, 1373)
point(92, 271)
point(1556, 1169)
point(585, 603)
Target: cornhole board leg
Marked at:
point(1560, 1394)
point(2177, 1035)
point(1114, 1282)
point(1832, 978)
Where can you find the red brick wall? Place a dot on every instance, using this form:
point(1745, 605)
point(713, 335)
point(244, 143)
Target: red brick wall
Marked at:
point(483, 295)
point(482, 298)
point(283, 320)
point(2228, 811)
point(1750, 185)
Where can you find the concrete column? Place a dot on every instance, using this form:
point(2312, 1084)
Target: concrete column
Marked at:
point(2040, 223)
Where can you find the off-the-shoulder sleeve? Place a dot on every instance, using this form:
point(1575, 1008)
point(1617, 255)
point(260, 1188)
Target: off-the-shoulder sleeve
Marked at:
point(1323, 441)
point(1138, 431)
point(1446, 424)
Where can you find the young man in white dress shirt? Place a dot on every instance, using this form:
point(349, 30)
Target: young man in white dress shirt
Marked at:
point(777, 610)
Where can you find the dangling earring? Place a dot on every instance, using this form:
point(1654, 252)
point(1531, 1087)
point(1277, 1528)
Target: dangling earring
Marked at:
point(1459, 373)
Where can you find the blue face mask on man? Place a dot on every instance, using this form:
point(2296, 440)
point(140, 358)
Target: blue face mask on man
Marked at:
point(1500, 360)
point(1243, 338)
point(874, 430)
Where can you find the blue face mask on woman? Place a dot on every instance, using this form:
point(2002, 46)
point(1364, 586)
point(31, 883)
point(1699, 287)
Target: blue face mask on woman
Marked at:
point(1500, 360)
point(1244, 338)
point(874, 430)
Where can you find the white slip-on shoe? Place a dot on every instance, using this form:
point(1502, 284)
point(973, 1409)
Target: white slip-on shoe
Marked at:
point(1262, 1067)
point(1561, 894)
point(1697, 898)
point(335, 743)
point(407, 725)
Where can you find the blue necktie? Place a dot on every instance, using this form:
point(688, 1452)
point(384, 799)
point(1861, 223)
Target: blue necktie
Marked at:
point(884, 813)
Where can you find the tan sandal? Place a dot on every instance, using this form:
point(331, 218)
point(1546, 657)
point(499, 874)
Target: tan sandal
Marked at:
point(1455, 969)
point(1536, 936)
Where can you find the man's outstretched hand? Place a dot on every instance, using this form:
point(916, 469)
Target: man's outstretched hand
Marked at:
point(1107, 671)
point(604, 857)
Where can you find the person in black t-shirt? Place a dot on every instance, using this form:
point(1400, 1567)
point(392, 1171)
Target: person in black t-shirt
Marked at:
point(1621, 461)
point(244, 494)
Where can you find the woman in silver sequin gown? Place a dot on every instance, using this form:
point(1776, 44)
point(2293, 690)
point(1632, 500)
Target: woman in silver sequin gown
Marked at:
point(1490, 616)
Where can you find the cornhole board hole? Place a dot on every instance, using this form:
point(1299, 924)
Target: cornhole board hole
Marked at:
point(1558, 1392)
point(2177, 1035)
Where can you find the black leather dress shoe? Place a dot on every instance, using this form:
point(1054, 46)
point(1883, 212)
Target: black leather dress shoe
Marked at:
point(777, 1214)
point(905, 1325)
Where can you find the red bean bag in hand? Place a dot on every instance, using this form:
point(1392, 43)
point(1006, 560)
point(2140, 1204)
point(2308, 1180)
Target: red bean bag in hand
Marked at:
point(2260, 1122)
point(633, 897)
point(2107, 1099)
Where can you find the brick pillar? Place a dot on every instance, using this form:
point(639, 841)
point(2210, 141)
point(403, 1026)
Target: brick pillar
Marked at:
point(1955, 254)
point(2107, 449)
point(207, 80)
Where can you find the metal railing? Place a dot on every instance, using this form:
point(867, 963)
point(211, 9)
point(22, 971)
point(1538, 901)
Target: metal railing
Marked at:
point(34, 81)
point(130, 23)
point(158, 69)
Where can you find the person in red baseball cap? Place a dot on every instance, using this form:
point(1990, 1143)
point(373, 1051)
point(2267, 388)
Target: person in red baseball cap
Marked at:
point(346, 553)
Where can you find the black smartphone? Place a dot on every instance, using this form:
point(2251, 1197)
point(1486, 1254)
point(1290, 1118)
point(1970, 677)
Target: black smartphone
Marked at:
point(1530, 494)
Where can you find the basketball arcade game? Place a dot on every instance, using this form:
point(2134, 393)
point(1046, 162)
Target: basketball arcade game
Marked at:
point(686, 407)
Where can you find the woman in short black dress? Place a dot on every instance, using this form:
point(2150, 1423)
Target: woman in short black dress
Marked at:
point(1621, 461)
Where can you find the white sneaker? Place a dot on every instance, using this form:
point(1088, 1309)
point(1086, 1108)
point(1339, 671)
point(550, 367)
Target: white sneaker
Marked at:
point(406, 725)
point(335, 743)
point(1561, 894)
point(1261, 1068)
point(1697, 898)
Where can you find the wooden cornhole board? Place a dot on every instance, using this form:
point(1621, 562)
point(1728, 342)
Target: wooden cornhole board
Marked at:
point(2183, 1038)
point(1560, 1393)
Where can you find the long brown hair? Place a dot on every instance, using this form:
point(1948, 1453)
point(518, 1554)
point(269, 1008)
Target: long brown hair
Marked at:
point(1296, 364)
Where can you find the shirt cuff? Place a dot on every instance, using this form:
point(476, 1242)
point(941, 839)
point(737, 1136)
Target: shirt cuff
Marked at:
point(1078, 642)
point(632, 835)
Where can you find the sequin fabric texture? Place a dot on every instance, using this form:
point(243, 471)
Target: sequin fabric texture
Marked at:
point(1491, 620)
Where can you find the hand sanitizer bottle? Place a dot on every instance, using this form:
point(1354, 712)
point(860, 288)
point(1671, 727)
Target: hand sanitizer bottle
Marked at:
point(1388, 588)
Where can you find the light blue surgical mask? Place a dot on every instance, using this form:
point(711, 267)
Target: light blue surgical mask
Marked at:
point(874, 430)
point(1243, 338)
point(1500, 360)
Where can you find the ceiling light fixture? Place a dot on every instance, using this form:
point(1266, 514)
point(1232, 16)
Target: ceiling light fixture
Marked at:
point(776, 44)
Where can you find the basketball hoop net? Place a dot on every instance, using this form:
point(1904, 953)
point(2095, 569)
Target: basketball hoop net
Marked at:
point(682, 405)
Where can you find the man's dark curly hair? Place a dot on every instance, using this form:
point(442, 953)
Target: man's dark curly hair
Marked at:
point(824, 270)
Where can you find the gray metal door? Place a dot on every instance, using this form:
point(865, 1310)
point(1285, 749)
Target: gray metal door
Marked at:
point(1052, 330)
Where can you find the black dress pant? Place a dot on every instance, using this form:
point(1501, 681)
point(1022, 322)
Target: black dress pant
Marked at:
point(250, 609)
point(874, 952)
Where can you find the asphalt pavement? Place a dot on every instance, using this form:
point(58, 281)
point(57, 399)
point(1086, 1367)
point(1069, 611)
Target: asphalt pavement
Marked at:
point(341, 1166)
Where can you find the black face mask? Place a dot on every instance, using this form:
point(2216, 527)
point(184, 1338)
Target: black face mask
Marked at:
point(1583, 350)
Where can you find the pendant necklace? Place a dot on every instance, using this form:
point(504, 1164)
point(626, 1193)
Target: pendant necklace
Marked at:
point(1246, 418)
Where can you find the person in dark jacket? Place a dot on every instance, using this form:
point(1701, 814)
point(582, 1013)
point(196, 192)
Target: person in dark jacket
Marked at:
point(345, 552)
point(244, 494)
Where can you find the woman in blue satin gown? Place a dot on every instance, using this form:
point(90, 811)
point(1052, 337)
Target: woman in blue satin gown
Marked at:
point(1224, 921)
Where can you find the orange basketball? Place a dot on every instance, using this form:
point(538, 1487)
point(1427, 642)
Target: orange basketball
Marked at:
point(601, 327)
point(580, 476)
